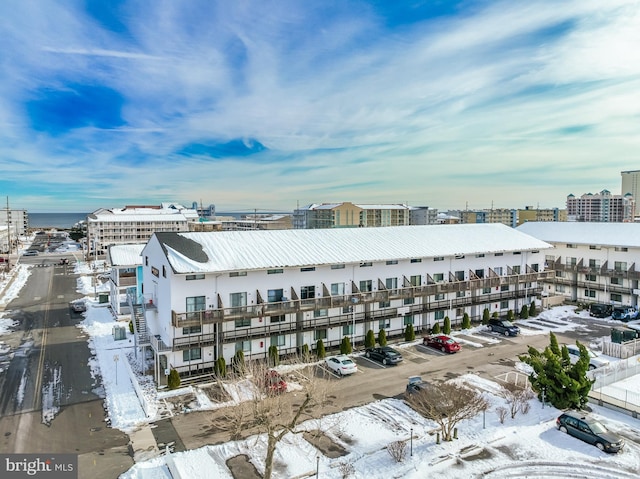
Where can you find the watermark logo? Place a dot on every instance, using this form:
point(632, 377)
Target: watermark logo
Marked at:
point(49, 466)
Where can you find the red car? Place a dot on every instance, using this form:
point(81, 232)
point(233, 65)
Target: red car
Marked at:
point(443, 343)
point(274, 383)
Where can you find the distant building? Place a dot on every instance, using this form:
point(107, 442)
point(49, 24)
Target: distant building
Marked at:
point(134, 224)
point(631, 184)
point(16, 220)
point(257, 222)
point(529, 213)
point(602, 207)
point(504, 216)
point(204, 211)
point(448, 218)
point(350, 215)
point(423, 215)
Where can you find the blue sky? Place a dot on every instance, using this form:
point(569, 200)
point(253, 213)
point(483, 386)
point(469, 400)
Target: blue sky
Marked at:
point(270, 104)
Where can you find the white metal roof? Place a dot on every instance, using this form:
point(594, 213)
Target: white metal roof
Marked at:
point(246, 250)
point(126, 254)
point(604, 234)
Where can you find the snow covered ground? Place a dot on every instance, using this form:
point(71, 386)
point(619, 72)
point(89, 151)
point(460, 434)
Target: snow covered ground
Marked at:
point(525, 446)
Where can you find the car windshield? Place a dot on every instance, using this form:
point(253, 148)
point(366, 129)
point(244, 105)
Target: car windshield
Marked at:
point(392, 353)
point(507, 323)
point(450, 341)
point(597, 428)
point(347, 361)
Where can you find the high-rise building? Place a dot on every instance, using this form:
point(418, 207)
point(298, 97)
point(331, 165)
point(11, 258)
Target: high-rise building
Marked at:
point(601, 207)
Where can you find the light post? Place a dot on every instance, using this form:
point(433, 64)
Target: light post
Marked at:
point(543, 392)
point(317, 465)
point(411, 442)
point(115, 360)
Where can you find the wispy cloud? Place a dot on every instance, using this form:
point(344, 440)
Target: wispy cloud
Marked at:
point(273, 103)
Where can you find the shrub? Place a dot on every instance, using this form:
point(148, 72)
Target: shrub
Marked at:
point(238, 361)
point(345, 346)
point(446, 327)
point(466, 321)
point(510, 315)
point(382, 338)
point(398, 450)
point(274, 356)
point(524, 312)
point(495, 315)
point(305, 353)
point(131, 327)
point(409, 333)
point(435, 329)
point(320, 351)
point(173, 381)
point(486, 316)
point(532, 309)
point(370, 339)
point(221, 367)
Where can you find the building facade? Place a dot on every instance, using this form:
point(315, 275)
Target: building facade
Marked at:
point(208, 295)
point(529, 213)
point(133, 224)
point(504, 216)
point(592, 262)
point(125, 276)
point(602, 207)
point(350, 215)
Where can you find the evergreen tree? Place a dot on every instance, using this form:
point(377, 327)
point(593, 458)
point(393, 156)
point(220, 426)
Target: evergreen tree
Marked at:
point(553, 344)
point(320, 351)
point(510, 315)
point(221, 367)
point(435, 329)
point(446, 326)
point(131, 327)
point(305, 353)
point(485, 316)
point(345, 346)
point(466, 321)
point(524, 312)
point(238, 361)
point(495, 315)
point(382, 338)
point(409, 333)
point(370, 339)
point(173, 381)
point(532, 309)
point(274, 356)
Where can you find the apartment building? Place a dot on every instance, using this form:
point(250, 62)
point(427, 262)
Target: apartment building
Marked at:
point(529, 213)
point(208, 295)
point(133, 224)
point(350, 215)
point(592, 262)
point(631, 184)
point(602, 207)
point(15, 220)
point(125, 277)
point(257, 222)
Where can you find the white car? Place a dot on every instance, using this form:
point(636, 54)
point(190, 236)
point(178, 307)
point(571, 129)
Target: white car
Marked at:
point(595, 360)
point(341, 365)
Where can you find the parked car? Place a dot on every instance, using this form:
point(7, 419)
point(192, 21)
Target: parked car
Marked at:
point(385, 355)
point(600, 310)
point(79, 306)
point(274, 383)
point(624, 313)
point(341, 365)
point(415, 385)
point(595, 360)
point(442, 342)
point(30, 252)
point(589, 430)
point(503, 326)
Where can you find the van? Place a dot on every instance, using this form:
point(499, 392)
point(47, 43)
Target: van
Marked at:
point(600, 310)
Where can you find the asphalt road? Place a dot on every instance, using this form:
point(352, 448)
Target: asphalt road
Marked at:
point(49, 403)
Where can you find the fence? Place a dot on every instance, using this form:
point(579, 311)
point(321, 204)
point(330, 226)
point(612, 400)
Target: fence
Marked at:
point(616, 386)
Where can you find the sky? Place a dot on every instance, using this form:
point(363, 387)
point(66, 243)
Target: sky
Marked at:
point(270, 105)
point(526, 445)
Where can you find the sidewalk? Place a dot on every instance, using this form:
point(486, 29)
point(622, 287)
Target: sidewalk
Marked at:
point(143, 444)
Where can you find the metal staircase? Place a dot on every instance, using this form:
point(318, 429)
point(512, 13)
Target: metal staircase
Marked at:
point(139, 322)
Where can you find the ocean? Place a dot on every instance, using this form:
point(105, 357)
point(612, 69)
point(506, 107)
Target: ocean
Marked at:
point(55, 220)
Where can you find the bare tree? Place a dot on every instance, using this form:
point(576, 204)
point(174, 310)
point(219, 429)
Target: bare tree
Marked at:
point(263, 402)
point(398, 450)
point(447, 404)
point(517, 397)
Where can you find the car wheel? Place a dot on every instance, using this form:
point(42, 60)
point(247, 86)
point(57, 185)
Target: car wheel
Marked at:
point(563, 429)
point(384, 361)
point(600, 446)
point(339, 373)
point(442, 349)
point(367, 355)
point(506, 333)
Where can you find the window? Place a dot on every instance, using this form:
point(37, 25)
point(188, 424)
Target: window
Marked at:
point(319, 313)
point(571, 261)
point(393, 261)
point(194, 304)
point(439, 296)
point(590, 293)
point(238, 299)
point(459, 256)
point(146, 261)
point(504, 287)
point(366, 264)
point(164, 271)
point(192, 354)
point(277, 319)
point(384, 304)
point(278, 340)
point(308, 268)
point(559, 274)
point(621, 248)
point(504, 304)
point(534, 267)
point(416, 260)
point(593, 246)
point(274, 295)
point(193, 277)
point(391, 283)
point(459, 275)
point(384, 324)
point(615, 280)
point(337, 266)
point(337, 289)
point(589, 277)
point(460, 294)
point(481, 255)
point(191, 330)
point(560, 288)
point(244, 346)
point(620, 266)
point(616, 297)
point(479, 273)
point(498, 254)
point(438, 258)
point(307, 292)
point(243, 323)
point(594, 263)
point(517, 252)
point(347, 330)
point(459, 312)
point(498, 270)
point(416, 280)
point(438, 277)
point(234, 274)
point(408, 301)
point(320, 334)
point(365, 286)
point(439, 314)
point(408, 319)
point(516, 269)
point(275, 271)
point(571, 245)
point(486, 290)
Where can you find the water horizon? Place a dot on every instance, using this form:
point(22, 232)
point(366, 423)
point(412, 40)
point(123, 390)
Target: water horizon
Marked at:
point(55, 220)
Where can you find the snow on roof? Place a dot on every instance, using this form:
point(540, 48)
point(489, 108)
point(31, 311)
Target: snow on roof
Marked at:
point(246, 250)
point(604, 234)
point(126, 254)
point(383, 207)
point(145, 217)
